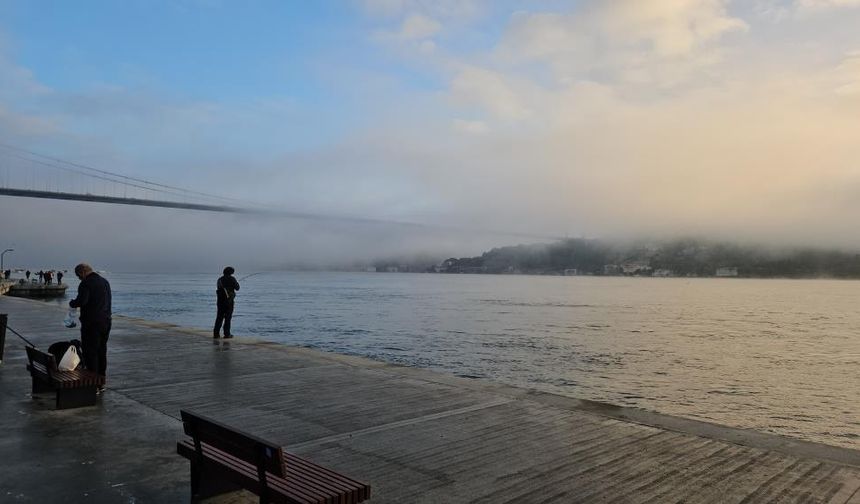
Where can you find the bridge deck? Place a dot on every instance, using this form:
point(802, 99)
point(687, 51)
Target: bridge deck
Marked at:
point(416, 436)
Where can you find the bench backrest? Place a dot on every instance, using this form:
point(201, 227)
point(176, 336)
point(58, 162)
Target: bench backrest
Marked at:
point(247, 447)
point(45, 359)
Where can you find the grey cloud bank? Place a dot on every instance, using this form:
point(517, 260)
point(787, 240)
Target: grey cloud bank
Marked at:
point(57, 234)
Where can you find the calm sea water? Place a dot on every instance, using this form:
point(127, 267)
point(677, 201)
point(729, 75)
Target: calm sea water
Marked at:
point(780, 356)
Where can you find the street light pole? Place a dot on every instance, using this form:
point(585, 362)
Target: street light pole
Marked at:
point(1, 258)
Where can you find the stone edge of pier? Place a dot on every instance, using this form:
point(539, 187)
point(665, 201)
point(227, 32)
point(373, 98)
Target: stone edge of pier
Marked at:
point(735, 435)
point(739, 436)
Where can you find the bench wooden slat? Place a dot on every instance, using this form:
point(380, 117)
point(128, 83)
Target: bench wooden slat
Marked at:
point(69, 379)
point(325, 476)
point(295, 488)
point(297, 485)
point(74, 378)
point(218, 448)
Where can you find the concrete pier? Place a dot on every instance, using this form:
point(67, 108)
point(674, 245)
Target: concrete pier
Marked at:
point(36, 290)
point(414, 435)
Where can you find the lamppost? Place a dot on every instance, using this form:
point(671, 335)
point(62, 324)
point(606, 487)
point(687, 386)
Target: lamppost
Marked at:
point(1, 258)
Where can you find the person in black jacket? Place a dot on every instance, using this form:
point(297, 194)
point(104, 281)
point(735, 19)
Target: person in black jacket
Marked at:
point(226, 293)
point(94, 300)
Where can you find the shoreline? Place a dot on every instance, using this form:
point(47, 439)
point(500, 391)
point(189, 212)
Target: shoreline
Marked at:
point(413, 434)
point(651, 417)
point(736, 435)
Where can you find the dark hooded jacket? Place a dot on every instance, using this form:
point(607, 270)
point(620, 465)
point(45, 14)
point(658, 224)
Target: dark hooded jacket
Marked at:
point(227, 287)
point(93, 299)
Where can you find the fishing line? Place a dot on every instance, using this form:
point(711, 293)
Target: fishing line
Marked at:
point(23, 338)
point(249, 276)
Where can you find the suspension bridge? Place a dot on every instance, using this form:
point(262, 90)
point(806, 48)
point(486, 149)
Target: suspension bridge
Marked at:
point(28, 174)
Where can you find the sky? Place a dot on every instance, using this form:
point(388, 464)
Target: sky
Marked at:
point(735, 120)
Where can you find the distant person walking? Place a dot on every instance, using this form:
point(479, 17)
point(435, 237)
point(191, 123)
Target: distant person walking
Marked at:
point(41, 276)
point(226, 292)
point(94, 300)
point(59, 278)
point(27, 274)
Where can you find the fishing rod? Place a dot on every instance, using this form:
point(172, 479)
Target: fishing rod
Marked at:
point(23, 338)
point(249, 276)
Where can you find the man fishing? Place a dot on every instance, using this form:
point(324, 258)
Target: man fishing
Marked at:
point(226, 292)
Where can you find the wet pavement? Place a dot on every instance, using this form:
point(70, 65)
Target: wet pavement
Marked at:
point(414, 435)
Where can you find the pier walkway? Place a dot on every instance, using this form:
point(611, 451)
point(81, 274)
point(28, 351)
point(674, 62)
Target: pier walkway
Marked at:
point(414, 435)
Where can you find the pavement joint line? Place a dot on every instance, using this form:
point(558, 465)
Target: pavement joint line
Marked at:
point(401, 423)
point(205, 380)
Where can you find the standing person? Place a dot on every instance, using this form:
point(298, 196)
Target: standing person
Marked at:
point(226, 292)
point(48, 277)
point(59, 278)
point(93, 299)
point(41, 276)
point(27, 274)
point(7, 274)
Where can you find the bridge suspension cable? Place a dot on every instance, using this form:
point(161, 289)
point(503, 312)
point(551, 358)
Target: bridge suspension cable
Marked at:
point(124, 179)
point(21, 180)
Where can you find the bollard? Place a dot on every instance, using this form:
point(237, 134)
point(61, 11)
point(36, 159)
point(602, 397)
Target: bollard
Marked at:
point(4, 318)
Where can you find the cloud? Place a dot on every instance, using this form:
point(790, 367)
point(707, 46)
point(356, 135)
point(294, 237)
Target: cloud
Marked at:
point(440, 9)
point(417, 26)
point(19, 126)
point(658, 42)
point(18, 87)
point(18, 82)
point(826, 4)
point(421, 22)
point(645, 122)
point(668, 28)
point(471, 127)
point(427, 47)
point(778, 11)
point(493, 91)
point(665, 28)
point(846, 76)
point(417, 29)
point(774, 11)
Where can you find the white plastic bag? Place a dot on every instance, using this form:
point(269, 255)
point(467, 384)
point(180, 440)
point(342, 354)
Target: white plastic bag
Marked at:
point(69, 321)
point(70, 360)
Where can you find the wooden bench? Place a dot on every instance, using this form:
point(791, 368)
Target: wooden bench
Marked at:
point(224, 459)
point(74, 388)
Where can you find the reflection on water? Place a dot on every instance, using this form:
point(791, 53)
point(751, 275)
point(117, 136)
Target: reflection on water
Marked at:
point(779, 356)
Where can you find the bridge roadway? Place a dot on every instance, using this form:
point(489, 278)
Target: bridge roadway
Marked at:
point(415, 435)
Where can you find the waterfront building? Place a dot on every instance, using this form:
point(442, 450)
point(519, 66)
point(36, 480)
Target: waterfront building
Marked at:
point(727, 272)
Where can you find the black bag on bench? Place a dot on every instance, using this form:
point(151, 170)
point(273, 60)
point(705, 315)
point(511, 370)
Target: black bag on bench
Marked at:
point(59, 348)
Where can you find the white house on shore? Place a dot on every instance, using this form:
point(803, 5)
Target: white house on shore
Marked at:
point(635, 267)
point(727, 272)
